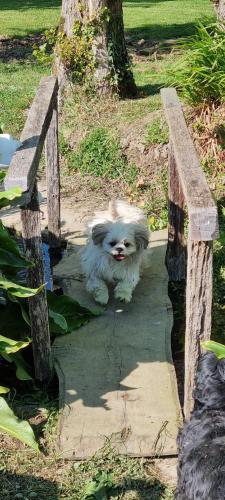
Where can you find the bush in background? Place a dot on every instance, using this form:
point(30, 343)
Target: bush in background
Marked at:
point(200, 74)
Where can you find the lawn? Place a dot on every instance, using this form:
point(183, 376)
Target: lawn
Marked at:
point(153, 20)
point(161, 20)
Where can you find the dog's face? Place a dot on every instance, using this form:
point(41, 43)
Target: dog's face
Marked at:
point(120, 240)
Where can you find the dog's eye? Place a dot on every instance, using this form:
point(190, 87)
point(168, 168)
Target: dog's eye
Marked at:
point(113, 243)
point(127, 245)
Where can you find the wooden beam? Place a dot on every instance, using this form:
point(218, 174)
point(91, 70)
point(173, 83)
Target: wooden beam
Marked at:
point(38, 308)
point(198, 311)
point(202, 210)
point(23, 168)
point(176, 252)
point(53, 178)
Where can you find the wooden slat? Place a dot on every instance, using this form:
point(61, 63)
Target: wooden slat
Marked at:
point(202, 210)
point(38, 308)
point(53, 179)
point(176, 251)
point(198, 311)
point(23, 168)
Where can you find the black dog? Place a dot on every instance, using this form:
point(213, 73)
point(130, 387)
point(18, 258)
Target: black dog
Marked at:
point(201, 443)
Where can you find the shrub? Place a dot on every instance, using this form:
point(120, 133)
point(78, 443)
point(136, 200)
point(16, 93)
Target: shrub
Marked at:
point(200, 73)
point(99, 154)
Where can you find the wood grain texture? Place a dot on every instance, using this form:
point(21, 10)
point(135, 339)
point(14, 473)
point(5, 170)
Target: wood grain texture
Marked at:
point(198, 311)
point(53, 179)
point(23, 168)
point(202, 210)
point(38, 308)
point(176, 252)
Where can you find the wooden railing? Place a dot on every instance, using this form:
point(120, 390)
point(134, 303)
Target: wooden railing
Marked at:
point(41, 127)
point(188, 185)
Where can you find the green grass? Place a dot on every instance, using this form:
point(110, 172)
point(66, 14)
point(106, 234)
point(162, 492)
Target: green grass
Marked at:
point(161, 20)
point(18, 84)
point(157, 132)
point(19, 18)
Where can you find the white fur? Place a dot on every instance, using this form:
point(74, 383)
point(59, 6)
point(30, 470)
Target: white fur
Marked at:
point(119, 233)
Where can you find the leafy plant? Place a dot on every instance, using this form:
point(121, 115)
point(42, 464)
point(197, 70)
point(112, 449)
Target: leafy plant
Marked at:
point(99, 154)
point(11, 259)
point(216, 347)
point(19, 429)
point(100, 487)
point(157, 132)
point(200, 74)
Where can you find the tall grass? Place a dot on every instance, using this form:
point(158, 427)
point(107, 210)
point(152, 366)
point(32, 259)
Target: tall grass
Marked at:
point(200, 73)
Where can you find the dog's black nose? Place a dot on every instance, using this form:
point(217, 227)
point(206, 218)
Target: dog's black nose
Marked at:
point(119, 249)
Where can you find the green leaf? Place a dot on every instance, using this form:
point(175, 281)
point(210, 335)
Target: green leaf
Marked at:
point(9, 250)
point(12, 323)
point(99, 487)
point(4, 390)
point(2, 173)
point(74, 314)
point(216, 347)
point(23, 369)
point(7, 197)
point(19, 429)
point(9, 259)
point(57, 322)
point(9, 346)
point(19, 290)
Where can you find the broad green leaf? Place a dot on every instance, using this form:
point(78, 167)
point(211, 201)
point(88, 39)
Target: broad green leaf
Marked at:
point(7, 197)
point(57, 322)
point(7, 242)
point(12, 323)
point(19, 290)
point(19, 429)
point(4, 390)
point(99, 487)
point(74, 314)
point(9, 346)
point(216, 347)
point(23, 369)
point(9, 259)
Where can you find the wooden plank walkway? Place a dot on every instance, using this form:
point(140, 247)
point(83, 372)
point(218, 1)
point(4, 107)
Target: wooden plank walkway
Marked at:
point(117, 379)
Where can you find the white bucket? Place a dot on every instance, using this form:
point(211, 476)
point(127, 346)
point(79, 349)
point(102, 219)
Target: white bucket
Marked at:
point(8, 146)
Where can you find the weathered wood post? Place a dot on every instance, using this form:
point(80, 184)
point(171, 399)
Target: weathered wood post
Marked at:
point(198, 311)
point(53, 176)
point(203, 228)
point(176, 252)
point(22, 172)
point(38, 307)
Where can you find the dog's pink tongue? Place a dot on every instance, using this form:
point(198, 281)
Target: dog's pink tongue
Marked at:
point(119, 257)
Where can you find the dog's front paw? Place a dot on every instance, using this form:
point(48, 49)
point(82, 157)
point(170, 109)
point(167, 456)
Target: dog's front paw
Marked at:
point(101, 296)
point(123, 294)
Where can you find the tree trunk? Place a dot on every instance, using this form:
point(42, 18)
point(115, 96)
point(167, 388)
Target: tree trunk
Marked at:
point(112, 61)
point(221, 10)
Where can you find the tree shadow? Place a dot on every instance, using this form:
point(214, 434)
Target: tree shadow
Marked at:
point(143, 3)
point(146, 490)
point(160, 32)
point(24, 5)
point(24, 485)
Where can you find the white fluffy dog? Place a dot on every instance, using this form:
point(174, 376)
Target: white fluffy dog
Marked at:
point(114, 251)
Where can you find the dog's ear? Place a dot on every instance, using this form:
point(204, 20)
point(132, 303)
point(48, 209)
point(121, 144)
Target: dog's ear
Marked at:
point(141, 237)
point(99, 232)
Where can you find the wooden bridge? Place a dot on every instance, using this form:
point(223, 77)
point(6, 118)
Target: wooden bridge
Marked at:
point(116, 374)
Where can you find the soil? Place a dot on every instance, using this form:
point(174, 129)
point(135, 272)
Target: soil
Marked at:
point(18, 48)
